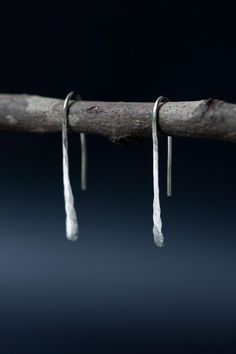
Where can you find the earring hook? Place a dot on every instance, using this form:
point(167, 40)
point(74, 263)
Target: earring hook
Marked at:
point(83, 144)
point(161, 100)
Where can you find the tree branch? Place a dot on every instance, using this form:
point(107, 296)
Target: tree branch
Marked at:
point(120, 121)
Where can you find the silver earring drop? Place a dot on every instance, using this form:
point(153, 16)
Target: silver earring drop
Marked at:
point(72, 228)
point(157, 223)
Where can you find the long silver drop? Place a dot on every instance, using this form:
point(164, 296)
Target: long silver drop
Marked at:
point(72, 228)
point(157, 223)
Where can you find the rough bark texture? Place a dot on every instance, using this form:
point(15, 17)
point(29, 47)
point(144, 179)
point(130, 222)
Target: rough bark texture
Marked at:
point(121, 122)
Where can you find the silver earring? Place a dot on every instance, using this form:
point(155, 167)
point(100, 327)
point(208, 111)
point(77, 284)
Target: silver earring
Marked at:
point(72, 228)
point(157, 223)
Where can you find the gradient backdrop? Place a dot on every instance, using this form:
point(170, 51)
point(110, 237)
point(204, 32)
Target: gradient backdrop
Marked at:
point(113, 291)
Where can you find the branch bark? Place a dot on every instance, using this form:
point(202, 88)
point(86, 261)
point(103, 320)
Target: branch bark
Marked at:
point(121, 122)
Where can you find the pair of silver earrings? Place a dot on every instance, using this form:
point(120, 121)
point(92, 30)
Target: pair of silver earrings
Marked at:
point(72, 227)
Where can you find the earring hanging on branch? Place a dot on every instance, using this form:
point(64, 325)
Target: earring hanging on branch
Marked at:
point(157, 223)
point(72, 227)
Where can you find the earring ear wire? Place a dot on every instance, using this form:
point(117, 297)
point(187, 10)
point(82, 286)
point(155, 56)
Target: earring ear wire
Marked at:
point(83, 147)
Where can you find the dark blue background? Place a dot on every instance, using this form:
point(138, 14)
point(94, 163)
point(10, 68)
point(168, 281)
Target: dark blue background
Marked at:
point(113, 291)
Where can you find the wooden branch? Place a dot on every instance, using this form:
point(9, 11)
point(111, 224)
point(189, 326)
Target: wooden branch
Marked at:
point(120, 121)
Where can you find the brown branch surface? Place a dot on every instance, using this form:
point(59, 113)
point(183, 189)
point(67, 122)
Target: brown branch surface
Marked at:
point(120, 121)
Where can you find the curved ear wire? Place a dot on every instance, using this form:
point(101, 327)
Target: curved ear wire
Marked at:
point(157, 223)
point(83, 161)
point(169, 166)
point(83, 147)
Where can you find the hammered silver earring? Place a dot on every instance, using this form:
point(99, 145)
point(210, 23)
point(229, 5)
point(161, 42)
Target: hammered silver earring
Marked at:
point(72, 227)
point(157, 223)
